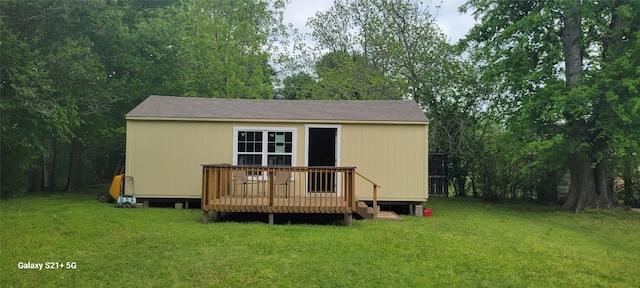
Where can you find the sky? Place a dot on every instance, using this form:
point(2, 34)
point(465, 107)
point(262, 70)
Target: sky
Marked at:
point(451, 22)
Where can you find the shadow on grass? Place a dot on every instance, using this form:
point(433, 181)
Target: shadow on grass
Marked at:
point(517, 205)
point(284, 218)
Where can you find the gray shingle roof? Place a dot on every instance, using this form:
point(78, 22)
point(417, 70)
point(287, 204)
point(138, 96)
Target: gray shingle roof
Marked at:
point(213, 108)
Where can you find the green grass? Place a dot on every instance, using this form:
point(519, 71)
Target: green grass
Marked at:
point(465, 244)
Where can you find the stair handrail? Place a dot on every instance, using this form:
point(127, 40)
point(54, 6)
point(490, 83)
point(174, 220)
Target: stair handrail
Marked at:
point(375, 193)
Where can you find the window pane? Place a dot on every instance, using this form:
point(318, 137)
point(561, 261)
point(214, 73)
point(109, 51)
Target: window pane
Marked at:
point(287, 148)
point(249, 159)
point(288, 137)
point(279, 160)
point(249, 141)
point(272, 148)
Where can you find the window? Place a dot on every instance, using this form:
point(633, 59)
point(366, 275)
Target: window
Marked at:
point(264, 147)
point(279, 148)
point(249, 148)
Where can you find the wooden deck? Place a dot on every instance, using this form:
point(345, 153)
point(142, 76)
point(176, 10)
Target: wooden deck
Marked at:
point(261, 204)
point(257, 189)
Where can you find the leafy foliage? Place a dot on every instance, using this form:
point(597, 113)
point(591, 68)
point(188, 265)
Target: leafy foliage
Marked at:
point(221, 50)
point(563, 72)
point(72, 69)
point(395, 44)
point(299, 86)
point(394, 50)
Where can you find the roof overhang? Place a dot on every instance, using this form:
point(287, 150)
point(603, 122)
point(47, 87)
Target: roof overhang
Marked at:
point(243, 120)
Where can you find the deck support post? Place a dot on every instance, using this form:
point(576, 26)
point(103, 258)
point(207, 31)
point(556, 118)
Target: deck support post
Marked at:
point(205, 217)
point(348, 217)
point(270, 218)
point(418, 210)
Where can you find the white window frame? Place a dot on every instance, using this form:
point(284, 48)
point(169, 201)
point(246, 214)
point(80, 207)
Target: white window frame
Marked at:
point(265, 143)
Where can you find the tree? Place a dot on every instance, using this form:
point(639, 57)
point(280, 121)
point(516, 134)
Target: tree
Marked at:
point(299, 86)
point(345, 75)
point(401, 47)
point(54, 58)
point(396, 38)
point(72, 69)
point(223, 46)
point(553, 63)
point(79, 64)
point(28, 112)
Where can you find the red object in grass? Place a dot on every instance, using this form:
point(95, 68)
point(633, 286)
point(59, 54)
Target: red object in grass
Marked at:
point(428, 212)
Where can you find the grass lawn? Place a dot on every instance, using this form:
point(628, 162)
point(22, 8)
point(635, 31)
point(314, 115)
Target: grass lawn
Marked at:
point(465, 244)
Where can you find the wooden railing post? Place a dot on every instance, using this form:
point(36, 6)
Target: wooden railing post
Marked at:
point(375, 193)
point(272, 187)
point(352, 190)
point(205, 188)
point(375, 201)
point(218, 182)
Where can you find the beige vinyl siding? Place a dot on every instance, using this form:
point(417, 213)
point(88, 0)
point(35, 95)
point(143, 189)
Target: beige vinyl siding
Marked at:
point(394, 156)
point(165, 157)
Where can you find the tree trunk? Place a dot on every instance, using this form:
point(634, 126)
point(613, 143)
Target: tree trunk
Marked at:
point(583, 188)
point(460, 189)
point(73, 176)
point(571, 45)
point(582, 184)
point(606, 199)
point(474, 192)
point(53, 166)
point(588, 186)
point(38, 176)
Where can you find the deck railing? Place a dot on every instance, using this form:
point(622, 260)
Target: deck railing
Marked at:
point(278, 189)
point(374, 193)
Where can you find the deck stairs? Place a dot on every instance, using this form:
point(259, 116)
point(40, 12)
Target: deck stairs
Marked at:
point(366, 212)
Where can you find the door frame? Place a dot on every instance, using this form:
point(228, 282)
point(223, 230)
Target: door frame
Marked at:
point(338, 128)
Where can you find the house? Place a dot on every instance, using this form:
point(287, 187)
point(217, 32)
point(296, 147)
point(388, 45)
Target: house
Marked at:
point(169, 139)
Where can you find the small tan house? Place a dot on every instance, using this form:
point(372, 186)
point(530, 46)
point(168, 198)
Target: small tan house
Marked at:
point(170, 138)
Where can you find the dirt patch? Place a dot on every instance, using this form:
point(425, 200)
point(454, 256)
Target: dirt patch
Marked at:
point(388, 215)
